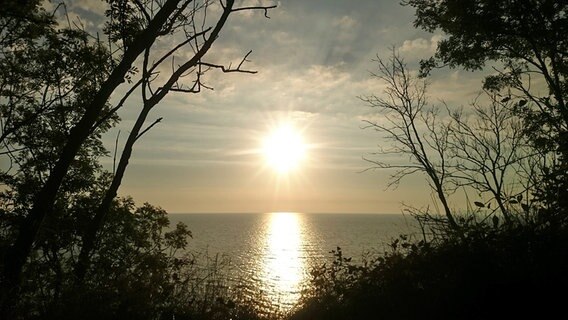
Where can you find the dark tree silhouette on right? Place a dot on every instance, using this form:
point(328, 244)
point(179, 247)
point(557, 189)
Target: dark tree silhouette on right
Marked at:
point(525, 43)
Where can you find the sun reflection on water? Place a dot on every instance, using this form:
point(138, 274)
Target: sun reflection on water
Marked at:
point(283, 265)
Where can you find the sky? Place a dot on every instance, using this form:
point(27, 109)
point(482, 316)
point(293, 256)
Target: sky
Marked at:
point(314, 60)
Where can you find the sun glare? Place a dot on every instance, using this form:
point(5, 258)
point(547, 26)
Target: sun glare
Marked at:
point(284, 149)
point(284, 266)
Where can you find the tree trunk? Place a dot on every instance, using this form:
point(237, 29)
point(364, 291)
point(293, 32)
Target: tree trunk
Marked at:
point(89, 238)
point(17, 255)
point(444, 201)
point(96, 224)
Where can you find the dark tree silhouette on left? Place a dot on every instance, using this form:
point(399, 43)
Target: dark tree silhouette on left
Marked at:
point(133, 28)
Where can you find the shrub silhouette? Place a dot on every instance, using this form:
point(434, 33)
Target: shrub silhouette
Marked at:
point(488, 273)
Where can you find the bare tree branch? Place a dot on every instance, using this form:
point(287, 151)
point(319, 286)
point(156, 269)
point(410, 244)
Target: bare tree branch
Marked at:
point(149, 127)
point(402, 109)
point(256, 8)
point(229, 69)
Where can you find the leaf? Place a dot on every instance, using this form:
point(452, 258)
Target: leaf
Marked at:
point(505, 99)
point(522, 103)
point(519, 197)
point(479, 204)
point(513, 201)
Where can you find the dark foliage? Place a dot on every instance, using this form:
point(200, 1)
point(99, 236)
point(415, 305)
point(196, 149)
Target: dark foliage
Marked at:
point(49, 78)
point(140, 266)
point(487, 274)
point(526, 43)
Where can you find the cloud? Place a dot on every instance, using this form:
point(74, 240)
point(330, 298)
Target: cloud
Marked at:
point(421, 45)
point(285, 38)
point(94, 7)
point(345, 23)
point(312, 59)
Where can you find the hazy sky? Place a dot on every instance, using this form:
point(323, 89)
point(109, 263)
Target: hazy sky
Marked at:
point(313, 60)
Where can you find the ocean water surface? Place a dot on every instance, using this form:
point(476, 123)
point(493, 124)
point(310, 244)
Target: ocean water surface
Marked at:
point(273, 252)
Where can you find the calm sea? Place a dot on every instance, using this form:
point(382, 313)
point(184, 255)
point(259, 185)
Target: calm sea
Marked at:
point(274, 252)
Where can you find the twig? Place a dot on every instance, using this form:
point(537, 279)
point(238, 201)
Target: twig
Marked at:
point(229, 69)
point(256, 8)
point(149, 127)
point(115, 149)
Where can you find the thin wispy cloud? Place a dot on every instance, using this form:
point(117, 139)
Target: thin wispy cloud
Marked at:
point(313, 59)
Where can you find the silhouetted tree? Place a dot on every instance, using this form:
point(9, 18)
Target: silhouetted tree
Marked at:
point(49, 75)
point(199, 39)
point(526, 41)
point(404, 113)
point(136, 30)
point(482, 150)
point(487, 149)
point(80, 130)
point(33, 80)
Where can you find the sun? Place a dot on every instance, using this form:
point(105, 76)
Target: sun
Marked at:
point(284, 149)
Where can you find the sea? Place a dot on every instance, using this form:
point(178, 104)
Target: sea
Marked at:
point(273, 253)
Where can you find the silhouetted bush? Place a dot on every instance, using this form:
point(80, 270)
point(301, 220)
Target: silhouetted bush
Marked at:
point(142, 268)
point(484, 273)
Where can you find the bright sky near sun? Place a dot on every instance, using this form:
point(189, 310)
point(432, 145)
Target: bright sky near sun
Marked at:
point(288, 138)
point(284, 148)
